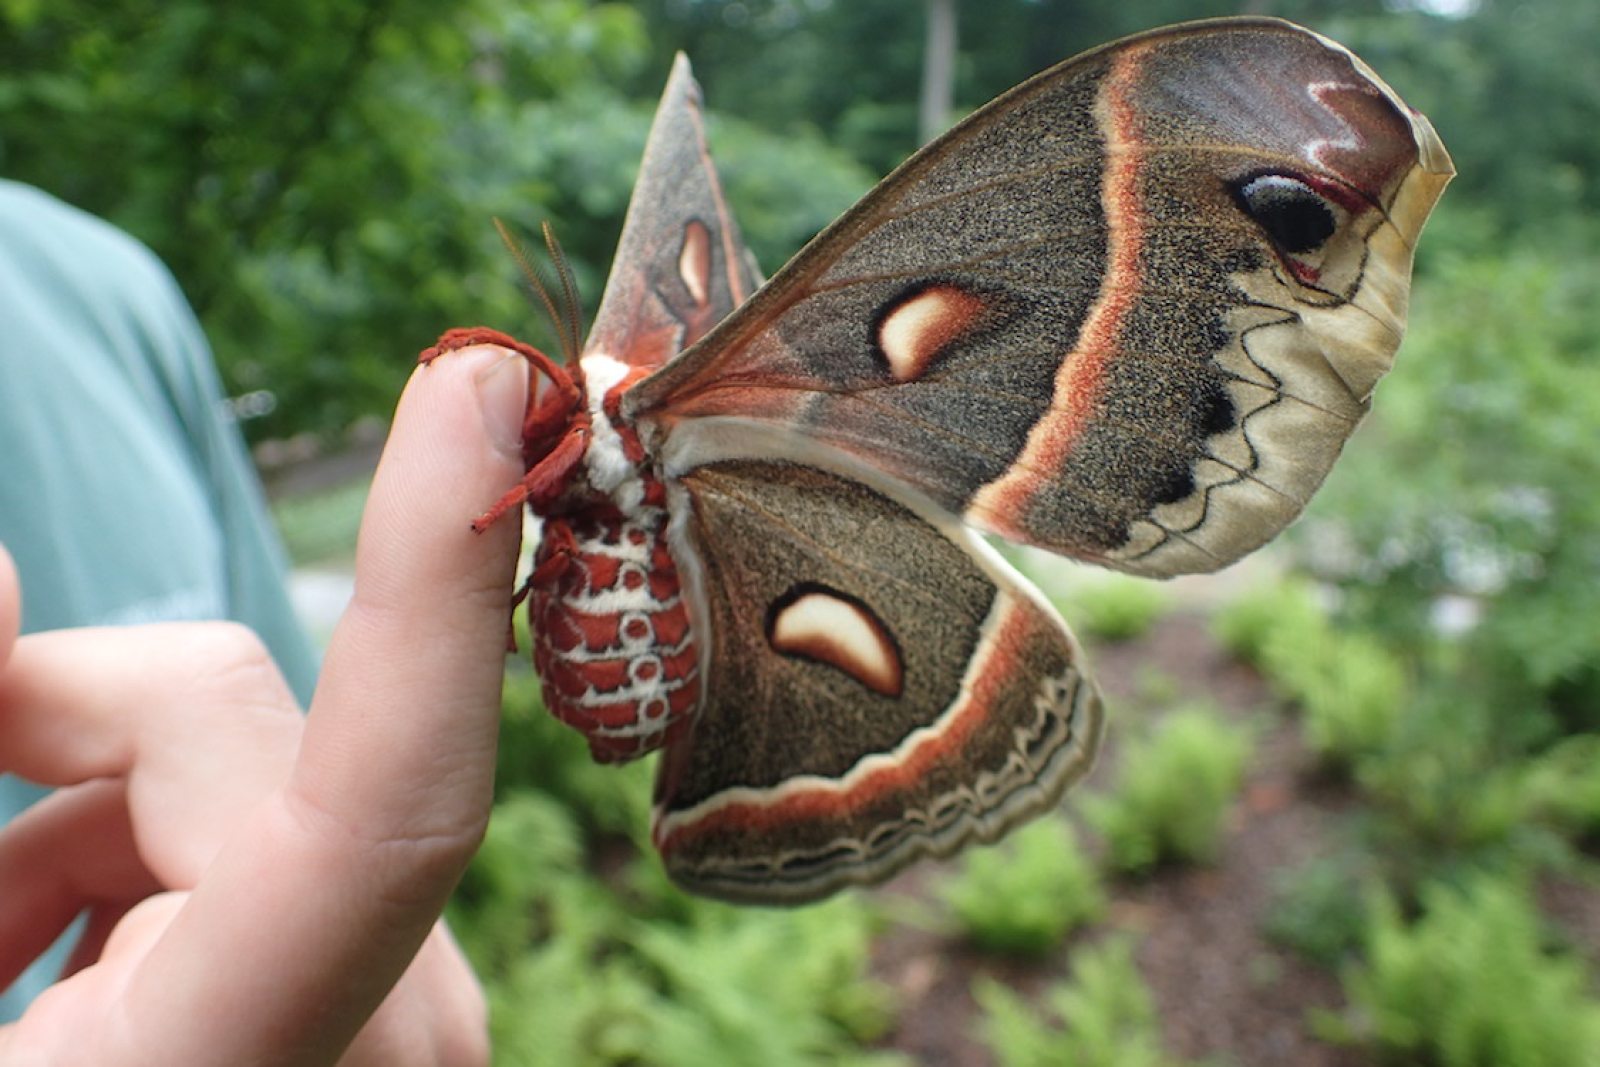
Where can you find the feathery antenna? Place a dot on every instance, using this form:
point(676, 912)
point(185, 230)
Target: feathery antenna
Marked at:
point(554, 288)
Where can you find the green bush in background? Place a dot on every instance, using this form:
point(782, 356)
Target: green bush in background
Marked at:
point(1101, 1016)
point(1471, 983)
point(591, 958)
point(1173, 792)
point(1025, 895)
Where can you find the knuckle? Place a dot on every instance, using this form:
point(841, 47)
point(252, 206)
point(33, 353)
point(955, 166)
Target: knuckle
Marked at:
point(230, 658)
point(411, 862)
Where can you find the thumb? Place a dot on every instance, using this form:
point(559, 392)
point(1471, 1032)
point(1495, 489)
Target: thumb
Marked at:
point(403, 725)
point(331, 887)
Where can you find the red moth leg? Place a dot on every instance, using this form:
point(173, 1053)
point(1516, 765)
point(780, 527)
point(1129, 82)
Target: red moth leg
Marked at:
point(555, 427)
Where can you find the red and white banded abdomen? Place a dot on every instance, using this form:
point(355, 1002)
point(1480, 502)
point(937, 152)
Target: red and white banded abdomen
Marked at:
point(612, 638)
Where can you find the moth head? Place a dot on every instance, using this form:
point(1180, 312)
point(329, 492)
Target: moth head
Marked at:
point(555, 402)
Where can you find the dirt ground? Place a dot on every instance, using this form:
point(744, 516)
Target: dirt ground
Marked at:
point(1223, 991)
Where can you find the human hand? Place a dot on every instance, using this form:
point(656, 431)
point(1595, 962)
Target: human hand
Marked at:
point(257, 882)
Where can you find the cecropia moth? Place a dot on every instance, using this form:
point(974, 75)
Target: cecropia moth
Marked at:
point(1128, 312)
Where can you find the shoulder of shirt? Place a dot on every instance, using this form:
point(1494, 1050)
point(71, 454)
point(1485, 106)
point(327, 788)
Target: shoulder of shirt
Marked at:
point(66, 246)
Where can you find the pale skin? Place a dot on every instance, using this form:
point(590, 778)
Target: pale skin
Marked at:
point(264, 887)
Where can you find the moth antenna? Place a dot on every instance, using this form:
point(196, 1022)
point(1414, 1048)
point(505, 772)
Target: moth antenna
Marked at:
point(544, 286)
point(571, 306)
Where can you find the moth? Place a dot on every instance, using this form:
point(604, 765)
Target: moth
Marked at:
point(1128, 312)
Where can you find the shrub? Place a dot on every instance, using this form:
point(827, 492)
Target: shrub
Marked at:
point(1351, 688)
point(1174, 792)
point(1024, 896)
point(1353, 695)
point(538, 752)
point(1450, 791)
point(1562, 787)
point(585, 970)
point(1102, 1016)
point(1470, 984)
point(1246, 624)
point(1489, 419)
point(1320, 910)
point(1112, 607)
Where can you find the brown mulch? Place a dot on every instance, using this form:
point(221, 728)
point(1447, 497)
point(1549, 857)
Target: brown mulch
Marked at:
point(1222, 989)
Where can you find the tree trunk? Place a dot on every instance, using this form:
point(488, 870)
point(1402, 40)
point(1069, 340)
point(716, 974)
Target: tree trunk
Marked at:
point(938, 69)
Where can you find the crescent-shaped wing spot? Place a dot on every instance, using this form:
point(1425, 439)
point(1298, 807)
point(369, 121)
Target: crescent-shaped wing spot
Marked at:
point(917, 326)
point(817, 623)
point(694, 261)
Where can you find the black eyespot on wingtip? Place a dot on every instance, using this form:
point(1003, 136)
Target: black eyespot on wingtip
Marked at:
point(1295, 216)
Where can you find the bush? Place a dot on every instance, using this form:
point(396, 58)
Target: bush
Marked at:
point(1112, 607)
point(1320, 909)
point(538, 752)
point(1490, 414)
point(1174, 792)
point(1247, 624)
point(1562, 787)
point(1351, 688)
point(1025, 895)
point(1450, 792)
point(1102, 1016)
point(1470, 984)
point(592, 964)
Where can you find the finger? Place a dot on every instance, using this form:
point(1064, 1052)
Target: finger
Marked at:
point(10, 604)
point(77, 702)
point(436, 1014)
point(104, 918)
point(195, 716)
point(330, 889)
point(402, 728)
point(142, 928)
point(66, 853)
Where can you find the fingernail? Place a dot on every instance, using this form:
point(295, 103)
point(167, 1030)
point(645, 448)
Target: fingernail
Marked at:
point(503, 395)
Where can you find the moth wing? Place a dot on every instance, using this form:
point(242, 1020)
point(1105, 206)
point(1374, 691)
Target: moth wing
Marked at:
point(1130, 311)
point(880, 686)
point(681, 266)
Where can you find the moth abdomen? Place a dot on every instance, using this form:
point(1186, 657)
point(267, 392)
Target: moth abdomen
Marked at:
point(613, 642)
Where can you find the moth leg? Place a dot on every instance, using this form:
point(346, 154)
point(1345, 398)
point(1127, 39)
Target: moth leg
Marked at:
point(559, 550)
point(543, 483)
point(467, 336)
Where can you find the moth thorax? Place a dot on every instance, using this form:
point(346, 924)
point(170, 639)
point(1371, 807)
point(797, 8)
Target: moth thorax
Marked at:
point(612, 641)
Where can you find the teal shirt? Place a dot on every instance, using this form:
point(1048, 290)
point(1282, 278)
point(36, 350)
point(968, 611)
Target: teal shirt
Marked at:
point(126, 493)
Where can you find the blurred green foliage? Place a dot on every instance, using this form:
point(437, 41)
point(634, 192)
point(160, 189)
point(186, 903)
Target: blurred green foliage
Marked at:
point(321, 176)
point(1173, 792)
point(1470, 983)
point(1100, 1016)
point(1104, 604)
point(1025, 895)
point(1350, 688)
point(590, 957)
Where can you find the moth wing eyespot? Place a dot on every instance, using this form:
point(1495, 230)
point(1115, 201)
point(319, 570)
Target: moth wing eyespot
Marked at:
point(1296, 218)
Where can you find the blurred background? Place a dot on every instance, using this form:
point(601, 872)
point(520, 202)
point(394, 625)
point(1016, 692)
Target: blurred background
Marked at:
point(1350, 808)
